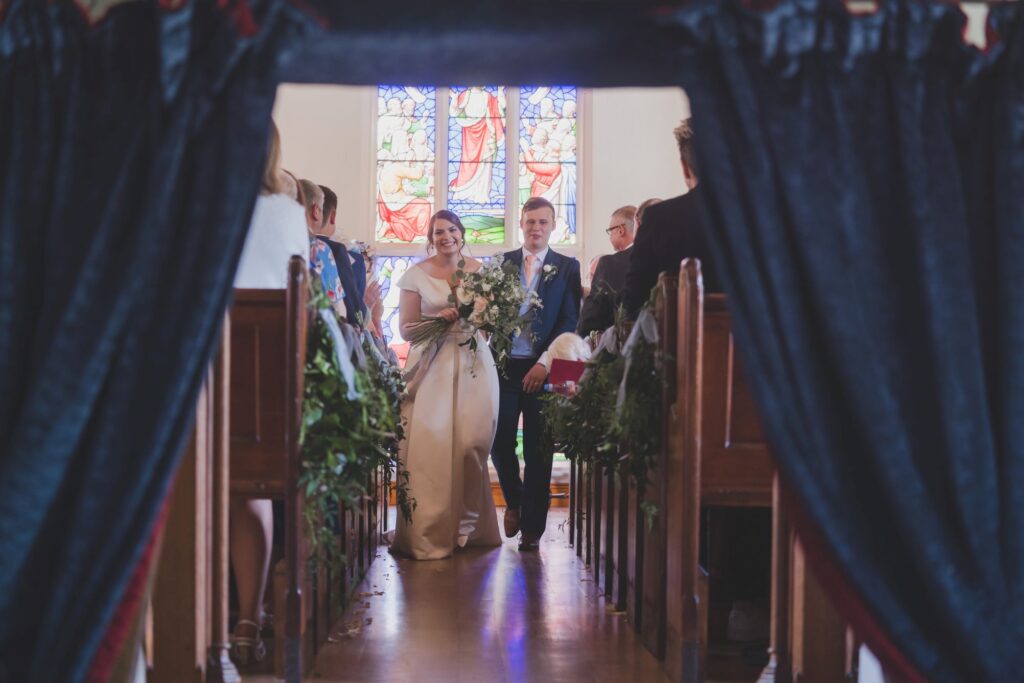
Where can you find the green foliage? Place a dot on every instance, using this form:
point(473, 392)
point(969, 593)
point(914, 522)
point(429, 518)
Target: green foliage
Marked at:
point(637, 427)
point(345, 441)
point(587, 426)
point(580, 426)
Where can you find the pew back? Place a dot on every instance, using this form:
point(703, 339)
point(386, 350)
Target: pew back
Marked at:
point(260, 392)
point(736, 467)
point(268, 352)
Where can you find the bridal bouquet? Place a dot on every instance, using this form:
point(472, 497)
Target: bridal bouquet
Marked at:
point(489, 301)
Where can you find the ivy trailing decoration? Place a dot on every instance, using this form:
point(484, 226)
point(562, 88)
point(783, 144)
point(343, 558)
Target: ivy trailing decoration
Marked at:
point(615, 418)
point(348, 432)
point(580, 427)
point(637, 425)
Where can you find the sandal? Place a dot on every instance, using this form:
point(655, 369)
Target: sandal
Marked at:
point(246, 648)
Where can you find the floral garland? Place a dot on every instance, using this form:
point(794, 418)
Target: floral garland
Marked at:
point(590, 428)
point(344, 440)
point(580, 427)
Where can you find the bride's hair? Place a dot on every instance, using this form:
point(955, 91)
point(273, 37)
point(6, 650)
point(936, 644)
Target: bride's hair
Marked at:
point(452, 218)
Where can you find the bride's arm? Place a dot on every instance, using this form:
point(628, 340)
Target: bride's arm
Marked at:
point(409, 304)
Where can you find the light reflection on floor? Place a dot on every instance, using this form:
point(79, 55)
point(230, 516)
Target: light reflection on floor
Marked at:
point(485, 615)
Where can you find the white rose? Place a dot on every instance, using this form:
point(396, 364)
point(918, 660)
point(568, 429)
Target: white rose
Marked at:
point(462, 296)
point(479, 304)
point(486, 286)
point(547, 269)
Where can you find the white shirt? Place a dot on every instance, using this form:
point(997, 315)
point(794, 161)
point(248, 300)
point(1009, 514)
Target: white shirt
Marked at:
point(522, 346)
point(277, 232)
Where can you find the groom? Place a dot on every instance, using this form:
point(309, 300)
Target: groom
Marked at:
point(556, 279)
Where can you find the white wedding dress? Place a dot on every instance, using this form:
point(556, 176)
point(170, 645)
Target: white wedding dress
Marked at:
point(451, 417)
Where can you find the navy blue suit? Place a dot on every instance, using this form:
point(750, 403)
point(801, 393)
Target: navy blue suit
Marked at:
point(561, 298)
point(348, 273)
point(359, 270)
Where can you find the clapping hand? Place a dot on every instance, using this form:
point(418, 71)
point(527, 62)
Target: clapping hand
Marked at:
point(372, 299)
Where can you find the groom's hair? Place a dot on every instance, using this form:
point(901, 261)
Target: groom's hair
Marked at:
point(534, 203)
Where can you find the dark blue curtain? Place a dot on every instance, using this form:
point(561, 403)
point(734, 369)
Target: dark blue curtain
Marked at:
point(864, 180)
point(130, 155)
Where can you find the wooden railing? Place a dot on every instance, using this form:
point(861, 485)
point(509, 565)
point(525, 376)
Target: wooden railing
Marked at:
point(254, 393)
point(713, 454)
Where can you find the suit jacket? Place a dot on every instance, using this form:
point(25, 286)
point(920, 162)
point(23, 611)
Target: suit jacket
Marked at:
point(359, 270)
point(353, 297)
point(605, 293)
point(560, 295)
point(672, 231)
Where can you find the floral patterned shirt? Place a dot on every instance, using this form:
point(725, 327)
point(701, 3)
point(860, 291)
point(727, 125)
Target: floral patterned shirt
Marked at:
point(321, 262)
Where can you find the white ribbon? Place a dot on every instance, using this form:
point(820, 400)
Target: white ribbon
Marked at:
point(608, 342)
point(646, 328)
point(414, 376)
point(342, 352)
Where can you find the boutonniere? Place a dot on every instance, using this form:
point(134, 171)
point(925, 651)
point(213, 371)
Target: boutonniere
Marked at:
point(549, 272)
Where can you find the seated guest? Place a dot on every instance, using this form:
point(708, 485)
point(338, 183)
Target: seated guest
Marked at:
point(291, 186)
point(276, 233)
point(591, 269)
point(370, 309)
point(357, 313)
point(321, 260)
point(610, 277)
point(642, 209)
point(672, 231)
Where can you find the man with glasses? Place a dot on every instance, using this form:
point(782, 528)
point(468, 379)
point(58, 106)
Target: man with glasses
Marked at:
point(610, 277)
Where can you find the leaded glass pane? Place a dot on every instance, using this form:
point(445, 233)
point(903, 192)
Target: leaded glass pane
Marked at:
point(406, 143)
point(547, 153)
point(476, 161)
point(390, 269)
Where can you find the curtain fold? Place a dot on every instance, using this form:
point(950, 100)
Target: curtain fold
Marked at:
point(864, 177)
point(130, 154)
point(863, 184)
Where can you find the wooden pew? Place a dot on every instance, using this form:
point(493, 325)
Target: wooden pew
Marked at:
point(718, 456)
point(188, 638)
point(268, 351)
point(654, 535)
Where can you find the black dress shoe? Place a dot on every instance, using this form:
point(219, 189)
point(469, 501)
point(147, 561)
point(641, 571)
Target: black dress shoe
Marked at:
point(511, 522)
point(529, 542)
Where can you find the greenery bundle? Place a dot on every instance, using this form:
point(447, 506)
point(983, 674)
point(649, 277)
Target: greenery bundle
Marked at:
point(344, 441)
point(589, 428)
point(580, 427)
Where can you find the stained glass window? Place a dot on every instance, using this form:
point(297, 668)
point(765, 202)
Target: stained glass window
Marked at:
point(406, 148)
point(547, 153)
point(391, 269)
point(476, 161)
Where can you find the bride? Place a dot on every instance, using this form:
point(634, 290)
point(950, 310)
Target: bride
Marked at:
point(451, 413)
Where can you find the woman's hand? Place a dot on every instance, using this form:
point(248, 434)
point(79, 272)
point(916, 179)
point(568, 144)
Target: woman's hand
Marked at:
point(374, 302)
point(449, 314)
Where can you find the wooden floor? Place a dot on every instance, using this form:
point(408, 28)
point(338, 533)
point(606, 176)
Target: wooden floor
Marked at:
point(484, 615)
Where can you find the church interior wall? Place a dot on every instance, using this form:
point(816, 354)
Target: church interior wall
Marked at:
point(627, 151)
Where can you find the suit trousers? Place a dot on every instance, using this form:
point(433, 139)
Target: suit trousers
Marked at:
point(532, 492)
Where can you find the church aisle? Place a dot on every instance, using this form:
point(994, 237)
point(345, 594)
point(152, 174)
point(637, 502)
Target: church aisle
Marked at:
point(485, 615)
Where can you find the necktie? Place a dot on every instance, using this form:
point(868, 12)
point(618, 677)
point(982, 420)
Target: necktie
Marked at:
point(531, 260)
